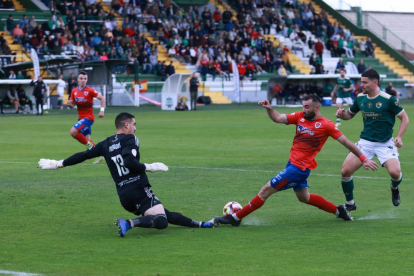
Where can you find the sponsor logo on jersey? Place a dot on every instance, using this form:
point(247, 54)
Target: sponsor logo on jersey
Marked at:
point(114, 147)
point(318, 124)
point(81, 100)
point(378, 104)
point(303, 129)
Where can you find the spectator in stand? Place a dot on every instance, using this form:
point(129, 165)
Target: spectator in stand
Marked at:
point(391, 90)
point(204, 62)
point(161, 70)
point(319, 48)
point(12, 98)
point(269, 62)
point(362, 46)
point(286, 61)
point(339, 65)
point(369, 48)
point(19, 75)
point(32, 23)
point(227, 15)
point(348, 47)
point(298, 46)
point(145, 63)
point(12, 75)
point(361, 67)
point(18, 34)
point(170, 69)
point(282, 71)
point(24, 21)
point(10, 24)
point(241, 67)
point(311, 43)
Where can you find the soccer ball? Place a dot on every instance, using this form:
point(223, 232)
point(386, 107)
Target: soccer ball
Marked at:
point(231, 208)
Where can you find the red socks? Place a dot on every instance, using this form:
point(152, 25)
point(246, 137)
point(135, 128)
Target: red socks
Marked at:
point(253, 205)
point(321, 203)
point(81, 138)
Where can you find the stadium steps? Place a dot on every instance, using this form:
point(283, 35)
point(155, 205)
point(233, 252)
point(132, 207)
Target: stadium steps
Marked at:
point(217, 97)
point(380, 54)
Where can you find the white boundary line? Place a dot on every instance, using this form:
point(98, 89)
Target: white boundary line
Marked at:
point(220, 169)
point(8, 272)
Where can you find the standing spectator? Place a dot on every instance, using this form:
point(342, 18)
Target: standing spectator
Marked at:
point(12, 98)
point(319, 48)
point(24, 21)
point(10, 24)
point(61, 91)
point(361, 67)
point(39, 91)
point(24, 99)
point(391, 90)
point(72, 83)
point(170, 69)
point(194, 83)
point(227, 15)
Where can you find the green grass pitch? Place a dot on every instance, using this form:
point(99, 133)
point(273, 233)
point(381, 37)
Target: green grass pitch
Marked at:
point(62, 222)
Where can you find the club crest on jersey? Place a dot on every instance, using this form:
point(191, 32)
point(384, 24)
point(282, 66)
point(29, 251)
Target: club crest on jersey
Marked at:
point(318, 124)
point(302, 120)
point(86, 93)
point(378, 104)
point(369, 105)
point(303, 129)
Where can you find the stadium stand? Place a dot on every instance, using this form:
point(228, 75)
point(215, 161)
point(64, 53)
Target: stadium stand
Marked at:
point(185, 36)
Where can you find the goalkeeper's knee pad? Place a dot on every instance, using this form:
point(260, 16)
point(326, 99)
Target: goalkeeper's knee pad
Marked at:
point(160, 221)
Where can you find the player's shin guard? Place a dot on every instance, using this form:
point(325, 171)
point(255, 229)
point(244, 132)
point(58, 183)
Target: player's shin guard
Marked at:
point(157, 221)
point(348, 188)
point(396, 182)
point(321, 203)
point(81, 138)
point(178, 219)
point(253, 205)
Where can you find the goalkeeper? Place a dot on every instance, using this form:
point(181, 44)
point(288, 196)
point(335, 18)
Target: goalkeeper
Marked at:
point(121, 153)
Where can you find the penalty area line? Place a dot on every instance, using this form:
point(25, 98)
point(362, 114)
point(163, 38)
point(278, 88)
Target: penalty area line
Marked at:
point(17, 273)
point(221, 169)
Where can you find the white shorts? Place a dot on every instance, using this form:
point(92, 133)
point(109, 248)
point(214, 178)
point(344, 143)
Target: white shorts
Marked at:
point(383, 150)
point(344, 101)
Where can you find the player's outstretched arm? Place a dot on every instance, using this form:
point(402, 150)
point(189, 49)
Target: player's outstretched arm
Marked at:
point(403, 127)
point(102, 99)
point(333, 91)
point(50, 164)
point(366, 163)
point(273, 114)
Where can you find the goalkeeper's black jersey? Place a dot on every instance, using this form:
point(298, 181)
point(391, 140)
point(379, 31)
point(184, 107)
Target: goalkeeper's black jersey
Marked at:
point(121, 153)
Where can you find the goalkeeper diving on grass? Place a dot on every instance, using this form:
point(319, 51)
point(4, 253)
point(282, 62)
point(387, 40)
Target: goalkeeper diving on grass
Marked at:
point(121, 153)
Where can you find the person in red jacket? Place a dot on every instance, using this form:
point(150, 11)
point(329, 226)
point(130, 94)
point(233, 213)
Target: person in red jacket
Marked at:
point(319, 48)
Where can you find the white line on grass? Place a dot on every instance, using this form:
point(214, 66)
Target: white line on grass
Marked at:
point(220, 169)
point(8, 272)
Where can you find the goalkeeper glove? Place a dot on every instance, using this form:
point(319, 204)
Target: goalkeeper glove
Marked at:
point(49, 164)
point(155, 167)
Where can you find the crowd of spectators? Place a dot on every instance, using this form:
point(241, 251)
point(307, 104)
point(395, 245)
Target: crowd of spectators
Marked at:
point(211, 40)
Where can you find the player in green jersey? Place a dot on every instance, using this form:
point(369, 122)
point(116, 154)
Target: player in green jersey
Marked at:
point(344, 87)
point(379, 110)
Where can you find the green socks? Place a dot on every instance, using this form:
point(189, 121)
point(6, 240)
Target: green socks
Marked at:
point(348, 188)
point(395, 182)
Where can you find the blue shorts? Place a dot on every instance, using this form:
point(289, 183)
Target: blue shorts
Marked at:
point(84, 126)
point(291, 177)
